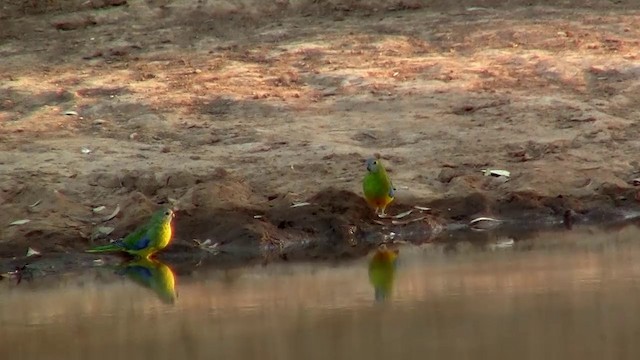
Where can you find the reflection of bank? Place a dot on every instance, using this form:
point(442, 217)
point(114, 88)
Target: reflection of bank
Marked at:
point(152, 274)
point(382, 271)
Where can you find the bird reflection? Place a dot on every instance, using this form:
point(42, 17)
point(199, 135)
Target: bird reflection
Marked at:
point(152, 274)
point(382, 271)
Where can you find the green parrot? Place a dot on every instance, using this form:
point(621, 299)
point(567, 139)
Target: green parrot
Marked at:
point(154, 275)
point(377, 187)
point(382, 271)
point(149, 238)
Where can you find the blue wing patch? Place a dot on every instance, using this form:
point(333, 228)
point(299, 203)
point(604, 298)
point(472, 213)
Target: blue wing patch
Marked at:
point(392, 191)
point(141, 271)
point(140, 244)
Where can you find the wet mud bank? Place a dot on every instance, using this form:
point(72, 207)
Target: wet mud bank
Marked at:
point(222, 220)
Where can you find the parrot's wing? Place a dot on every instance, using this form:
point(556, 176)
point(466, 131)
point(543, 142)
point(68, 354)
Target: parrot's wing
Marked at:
point(138, 240)
point(138, 234)
point(139, 244)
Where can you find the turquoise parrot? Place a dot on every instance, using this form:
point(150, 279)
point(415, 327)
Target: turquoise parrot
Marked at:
point(154, 275)
point(377, 187)
point(382, 271)
point(149, 238)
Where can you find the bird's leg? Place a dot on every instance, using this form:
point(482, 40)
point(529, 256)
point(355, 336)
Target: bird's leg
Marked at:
point(382, 214)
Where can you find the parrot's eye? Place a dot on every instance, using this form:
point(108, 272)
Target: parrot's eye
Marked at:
point(167, 212)
point(375, 163)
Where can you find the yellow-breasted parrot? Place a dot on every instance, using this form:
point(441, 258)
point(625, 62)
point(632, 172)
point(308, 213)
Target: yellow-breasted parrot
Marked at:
point(149, 238)
point(377, 187)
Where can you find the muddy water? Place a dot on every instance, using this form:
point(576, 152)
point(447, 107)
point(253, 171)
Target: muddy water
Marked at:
point(569, 295)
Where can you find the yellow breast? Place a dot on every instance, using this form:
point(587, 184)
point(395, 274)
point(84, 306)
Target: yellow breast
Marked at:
point(165, 235)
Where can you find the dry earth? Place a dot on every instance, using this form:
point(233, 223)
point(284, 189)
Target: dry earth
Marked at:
point(233, 111)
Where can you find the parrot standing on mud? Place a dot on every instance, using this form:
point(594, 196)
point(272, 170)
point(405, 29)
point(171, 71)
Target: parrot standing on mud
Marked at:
point(382, 271)
point(377, 187)
point(149, 238)
point(154, 275)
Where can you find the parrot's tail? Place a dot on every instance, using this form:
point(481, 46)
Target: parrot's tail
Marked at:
point(106, 248)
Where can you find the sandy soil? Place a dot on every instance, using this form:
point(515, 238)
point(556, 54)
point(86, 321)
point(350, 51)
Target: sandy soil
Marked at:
point(233, 112)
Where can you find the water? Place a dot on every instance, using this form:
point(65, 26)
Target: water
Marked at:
point(570, 295)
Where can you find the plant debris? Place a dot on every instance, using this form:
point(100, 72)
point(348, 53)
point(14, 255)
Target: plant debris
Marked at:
point(98, 209)
point(483, 223)
point(208, 246)
point(19, 222)
point(496, 173)
point(32, 252)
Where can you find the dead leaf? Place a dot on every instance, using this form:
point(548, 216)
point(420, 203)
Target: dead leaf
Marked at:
point(401, 215)
point(101, 231)
point(32, 252)
point(496, 172)
point(112, 215)
point(19, 222)
point(300, 204)
point(405, 222)
point(484, 223)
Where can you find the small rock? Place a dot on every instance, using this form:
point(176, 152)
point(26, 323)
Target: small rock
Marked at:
point(97, 4)
point(179, 180)
point(147, 184)
point(165, 149)
point(119, 51)
point(73, 22)
point(133, 136)
point(447, 174)
point(106, 180)
point(146, 121)
point(94, 54)
point(332, 91)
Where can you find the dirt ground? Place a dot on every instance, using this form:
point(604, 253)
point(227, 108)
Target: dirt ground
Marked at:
point(234, 111)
